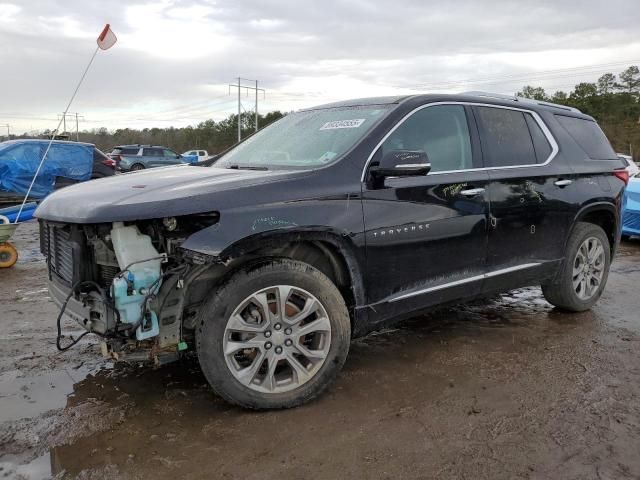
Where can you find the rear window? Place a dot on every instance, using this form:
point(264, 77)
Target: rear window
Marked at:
point(588, 136)
point(98, 155)
point(506, 140)
point(540, 143)
point(152, 152)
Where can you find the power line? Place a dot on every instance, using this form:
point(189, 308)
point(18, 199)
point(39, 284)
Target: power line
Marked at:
point(518, 76)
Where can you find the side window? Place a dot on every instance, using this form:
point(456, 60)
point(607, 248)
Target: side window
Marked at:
point(152, 152)
point(169, 153)
point(441, 131)
point(588, 136)
point(540, 143)
point(506, 140)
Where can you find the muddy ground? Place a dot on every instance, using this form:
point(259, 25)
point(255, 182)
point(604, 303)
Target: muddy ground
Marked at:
point(499, 390)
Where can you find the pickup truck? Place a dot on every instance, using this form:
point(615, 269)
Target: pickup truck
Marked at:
point(330, 223)
point(196, 155)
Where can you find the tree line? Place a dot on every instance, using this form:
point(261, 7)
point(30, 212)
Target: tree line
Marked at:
point(613, 100)
point(209, 135)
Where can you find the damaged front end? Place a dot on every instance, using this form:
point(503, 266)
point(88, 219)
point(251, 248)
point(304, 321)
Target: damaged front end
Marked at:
point(127, 282)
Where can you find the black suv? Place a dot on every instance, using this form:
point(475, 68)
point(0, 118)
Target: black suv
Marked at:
point(333, 222)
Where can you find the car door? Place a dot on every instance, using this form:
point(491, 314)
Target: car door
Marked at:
point(169, 157)
point(531, 209)
point(152, 157)
point(426, 235)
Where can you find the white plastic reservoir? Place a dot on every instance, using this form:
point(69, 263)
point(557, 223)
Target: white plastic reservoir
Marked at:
point(131, 246)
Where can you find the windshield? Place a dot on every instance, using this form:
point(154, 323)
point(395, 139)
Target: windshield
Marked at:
point(305, 139)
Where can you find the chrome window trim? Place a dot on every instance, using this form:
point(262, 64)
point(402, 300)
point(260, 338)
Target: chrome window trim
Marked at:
point(407, 165)
point(463, 281)
point(547, 133)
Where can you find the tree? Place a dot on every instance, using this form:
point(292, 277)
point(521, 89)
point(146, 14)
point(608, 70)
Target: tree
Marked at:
point(559, 97)
point(630, 80)
point(606, 84)
point(535, 93)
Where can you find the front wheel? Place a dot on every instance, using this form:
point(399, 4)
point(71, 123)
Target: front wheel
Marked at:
point(136, 166)
point(585, 270)
point(273, 336)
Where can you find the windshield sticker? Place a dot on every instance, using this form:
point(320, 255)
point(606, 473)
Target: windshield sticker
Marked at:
point(355, 123)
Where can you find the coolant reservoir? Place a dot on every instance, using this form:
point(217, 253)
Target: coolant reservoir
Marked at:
point(138, 256)
point(130, 246)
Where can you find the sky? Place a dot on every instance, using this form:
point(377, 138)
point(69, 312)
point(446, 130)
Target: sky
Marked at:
point(174, 59)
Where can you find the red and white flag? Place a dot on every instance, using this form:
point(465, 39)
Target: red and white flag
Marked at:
point(107, 38)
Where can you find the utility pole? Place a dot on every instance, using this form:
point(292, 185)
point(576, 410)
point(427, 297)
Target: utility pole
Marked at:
point(8, 130)
point(77, 129)
point(72, 115)
point(239, 113)
point(240, 86)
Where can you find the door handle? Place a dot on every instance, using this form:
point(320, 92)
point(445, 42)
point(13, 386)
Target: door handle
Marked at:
point(472, 192)
point(562, 183)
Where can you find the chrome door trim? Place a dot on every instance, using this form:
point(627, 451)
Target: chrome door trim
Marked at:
point(547, 133)
point(463, 281)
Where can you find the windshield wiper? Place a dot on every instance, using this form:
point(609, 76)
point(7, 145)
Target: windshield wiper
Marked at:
point(247, 167)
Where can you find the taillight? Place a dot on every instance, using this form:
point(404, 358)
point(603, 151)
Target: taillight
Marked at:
point(622, 175)
point(109, 162)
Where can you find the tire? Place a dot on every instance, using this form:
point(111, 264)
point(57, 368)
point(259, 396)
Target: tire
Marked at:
point(8, 255)
point(136, 166)
point(269, 371)
point(563, 293)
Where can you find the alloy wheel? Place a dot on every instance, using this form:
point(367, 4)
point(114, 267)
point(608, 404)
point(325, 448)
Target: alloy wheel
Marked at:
point(277, 339)
point(588, 268)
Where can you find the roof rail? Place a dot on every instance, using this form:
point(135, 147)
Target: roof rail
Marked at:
point(515, 98)
point(549, 104)
point(478, 93)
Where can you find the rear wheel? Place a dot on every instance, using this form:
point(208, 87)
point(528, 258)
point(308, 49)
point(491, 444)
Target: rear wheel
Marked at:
point(273, 336)
point(585, 270)
point(136, 167)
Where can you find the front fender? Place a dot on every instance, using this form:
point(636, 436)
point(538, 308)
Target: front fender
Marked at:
point(339, 216)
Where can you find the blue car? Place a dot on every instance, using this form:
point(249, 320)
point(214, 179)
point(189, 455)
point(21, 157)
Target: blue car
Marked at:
point(631, 213)
point(66, 163)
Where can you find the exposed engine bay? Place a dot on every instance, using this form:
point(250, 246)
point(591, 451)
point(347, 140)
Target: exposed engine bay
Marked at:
point(126, 282)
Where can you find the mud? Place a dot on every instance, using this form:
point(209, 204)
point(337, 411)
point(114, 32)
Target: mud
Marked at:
point(507, 388)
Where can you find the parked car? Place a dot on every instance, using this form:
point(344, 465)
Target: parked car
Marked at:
point(66, 163)
point(631, 212)
point(200, 155)
point(632, 167)
point(139, 157)
point(333, 222)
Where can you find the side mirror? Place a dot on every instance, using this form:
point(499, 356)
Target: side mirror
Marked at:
point(402, 163)
point(178, 156)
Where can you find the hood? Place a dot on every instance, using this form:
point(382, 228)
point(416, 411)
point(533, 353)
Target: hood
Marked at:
point(153, 193)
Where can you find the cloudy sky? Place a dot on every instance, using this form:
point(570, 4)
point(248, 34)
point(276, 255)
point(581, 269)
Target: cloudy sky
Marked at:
point(174, 58)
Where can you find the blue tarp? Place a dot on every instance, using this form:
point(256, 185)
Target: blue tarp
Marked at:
point(19, 161)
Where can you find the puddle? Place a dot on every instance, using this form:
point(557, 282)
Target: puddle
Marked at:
point(28, 396)
point(37, 469)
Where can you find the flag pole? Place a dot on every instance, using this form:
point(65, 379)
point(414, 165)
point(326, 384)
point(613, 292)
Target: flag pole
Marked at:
point(53, 134)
